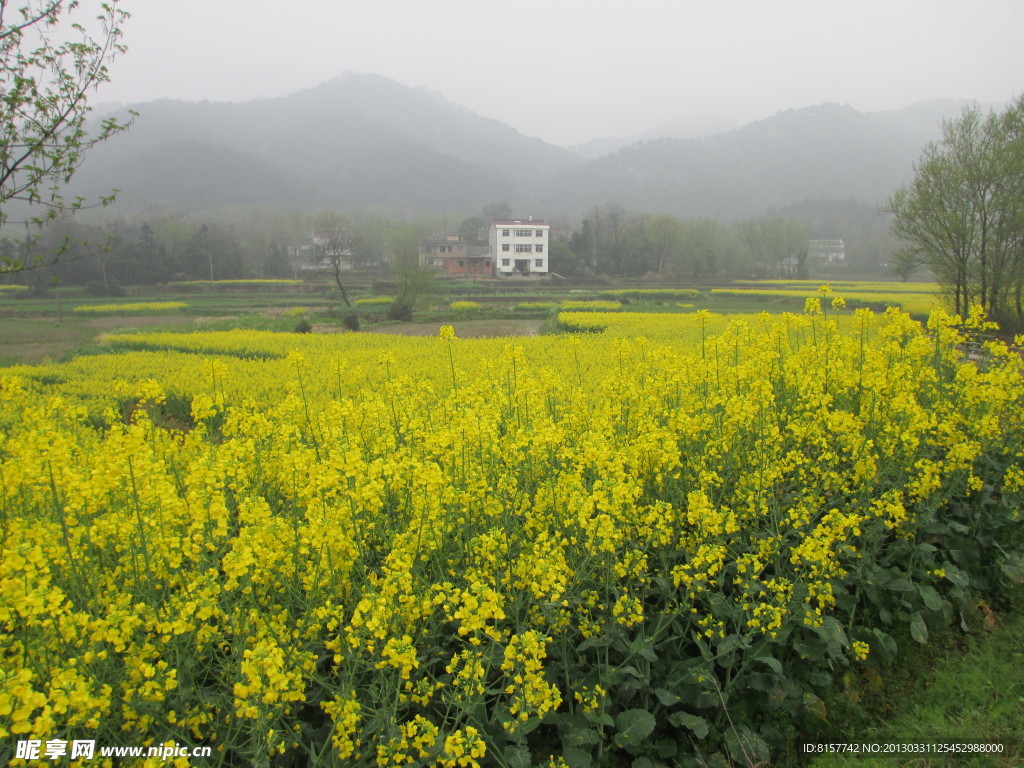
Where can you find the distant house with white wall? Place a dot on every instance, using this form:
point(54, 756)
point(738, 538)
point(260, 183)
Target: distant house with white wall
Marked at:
point(826, 251)
point(520, 247)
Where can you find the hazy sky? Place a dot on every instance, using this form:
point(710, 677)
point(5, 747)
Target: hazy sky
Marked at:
point(572, 70)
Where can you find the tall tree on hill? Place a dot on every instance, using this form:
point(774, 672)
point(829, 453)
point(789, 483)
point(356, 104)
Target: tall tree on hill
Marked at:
point(45, 84)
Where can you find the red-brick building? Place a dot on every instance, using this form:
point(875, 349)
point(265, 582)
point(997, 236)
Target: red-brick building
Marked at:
point(453, 257)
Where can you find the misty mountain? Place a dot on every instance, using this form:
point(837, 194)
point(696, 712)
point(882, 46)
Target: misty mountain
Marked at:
point(691, 127)
point(364, 140)
point(355, 141)
point(823, 152)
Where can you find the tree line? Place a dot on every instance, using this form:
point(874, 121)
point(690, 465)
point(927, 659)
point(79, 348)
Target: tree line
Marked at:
point(106, 252)
point(611, 240)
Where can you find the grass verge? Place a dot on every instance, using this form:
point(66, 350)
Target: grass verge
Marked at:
point(971, 689)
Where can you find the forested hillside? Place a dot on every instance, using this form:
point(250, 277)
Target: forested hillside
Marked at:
point(364, 141)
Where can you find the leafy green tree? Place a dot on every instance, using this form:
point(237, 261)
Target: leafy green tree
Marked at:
point(411, 278)
point(665, 234)
point(371, 231)
point(475, 230)
point(497, 211)
point(52, 58)
point(778, 241)
point(564, 261)
point(962, 216)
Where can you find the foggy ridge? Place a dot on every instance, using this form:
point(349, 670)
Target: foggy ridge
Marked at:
point(363, 140)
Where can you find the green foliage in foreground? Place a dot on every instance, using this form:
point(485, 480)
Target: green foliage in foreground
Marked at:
point(974, 692)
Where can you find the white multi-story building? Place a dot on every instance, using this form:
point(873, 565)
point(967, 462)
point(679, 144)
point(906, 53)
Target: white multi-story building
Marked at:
point(827, 251)
point(520, 247)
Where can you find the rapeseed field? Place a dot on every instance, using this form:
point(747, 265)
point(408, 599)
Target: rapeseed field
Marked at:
point(659, 541)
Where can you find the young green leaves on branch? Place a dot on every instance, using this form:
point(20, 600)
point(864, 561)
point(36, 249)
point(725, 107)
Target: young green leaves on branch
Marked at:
point(53, 55)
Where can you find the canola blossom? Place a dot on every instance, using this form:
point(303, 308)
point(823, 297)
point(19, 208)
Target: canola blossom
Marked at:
point(369, 550)
point(133, 308)
point(916, 301)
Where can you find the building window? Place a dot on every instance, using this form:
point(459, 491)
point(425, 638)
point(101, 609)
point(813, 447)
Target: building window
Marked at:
point(504, 262)
point(539, 262)
point(540, 233)
point(487, 262)
point(527, 248)
point(504, 233)
point(504, 246)
point(462, 263)
point(539, 249)
point(524, 232)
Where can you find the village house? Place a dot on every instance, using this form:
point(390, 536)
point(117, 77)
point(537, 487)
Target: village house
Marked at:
point(520, 247)
point(453, 257)
point(826, 251)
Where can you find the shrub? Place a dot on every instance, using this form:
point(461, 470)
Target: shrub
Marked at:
point(400, 311)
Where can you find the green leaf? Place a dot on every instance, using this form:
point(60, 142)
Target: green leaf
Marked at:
point(599, 718)
point(633, 726)
point(901, 584)
point(580, 737)
point(643, 647)
point(956, 576)
point(666, 697)
point(632, 671)
point(698, 725)
point(820, 679)
point(772, 662)
point(815, 706)
point(730, 643)
point(666, 748)
point(813, 649)
point(883, 648)
point(881, 576)
point(932, 599)
point(759, 681)
point(832, 632)
point(918, 628)
point(596, 641)
point(517, 757)
point(1013, 567)
point(577, 758)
